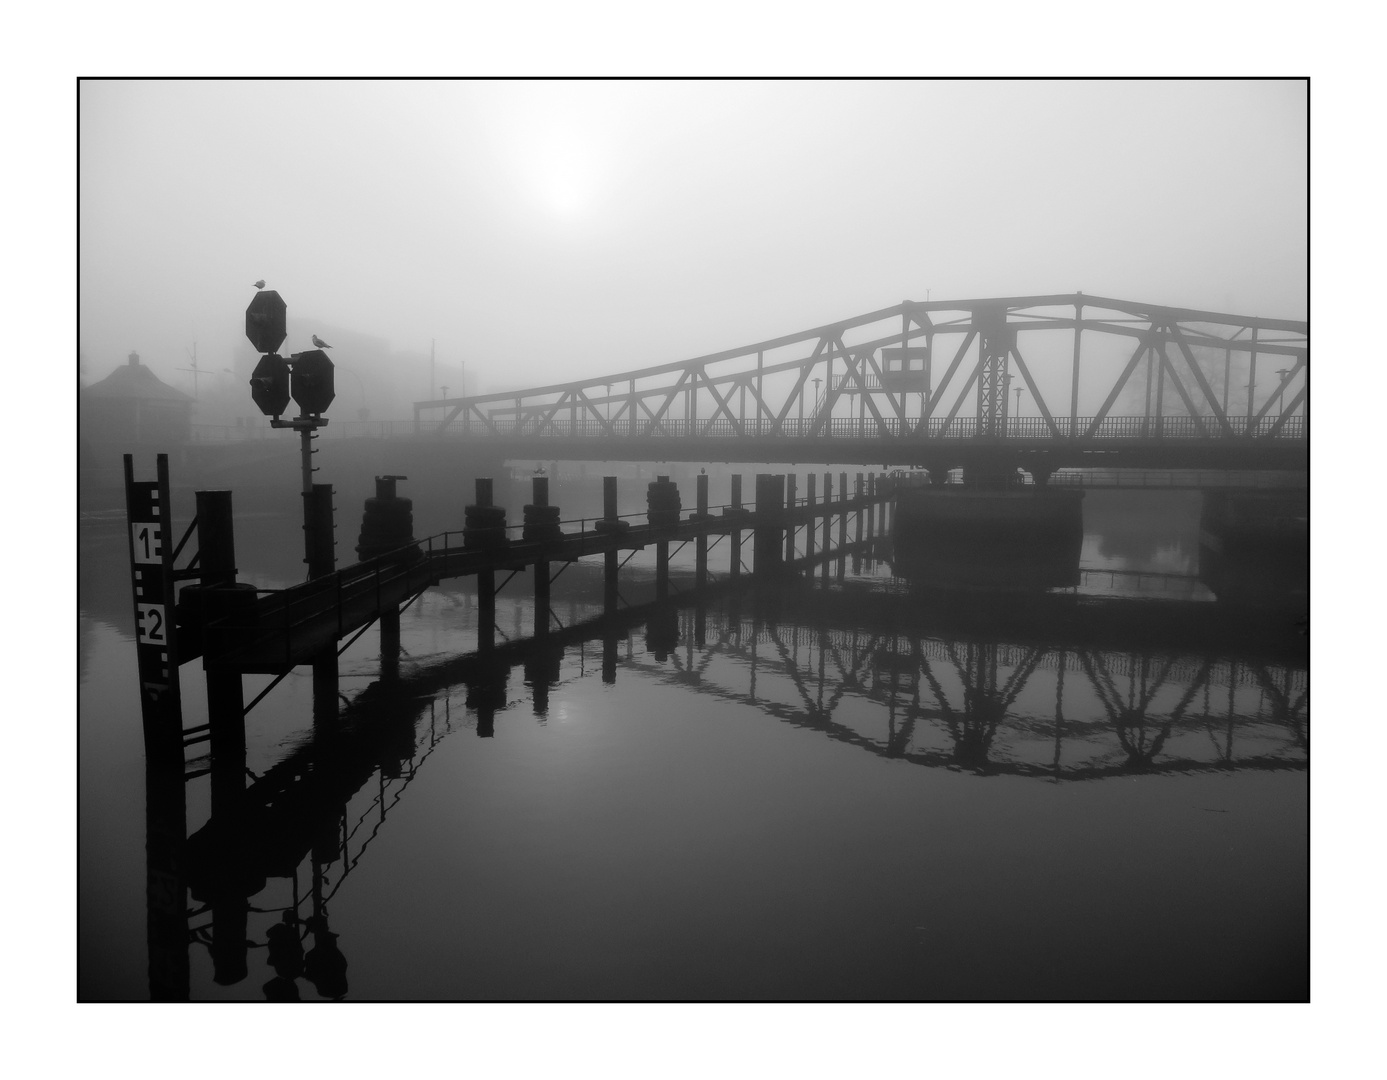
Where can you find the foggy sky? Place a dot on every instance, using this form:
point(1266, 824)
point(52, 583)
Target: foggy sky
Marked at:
point(550, 230)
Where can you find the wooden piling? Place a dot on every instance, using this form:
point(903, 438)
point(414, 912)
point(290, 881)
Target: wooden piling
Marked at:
point(871, 505)
point(810, 524)
point(735, 569)
point(662, 559)
point(842, 513)
point(861, 509)
point(790, 495)
point(828, 520)
point(766, 538)
point(486, 582)
point(226, 708)
point(701, 542)
point(319, 541)
point(609, 592)
point(539, 496)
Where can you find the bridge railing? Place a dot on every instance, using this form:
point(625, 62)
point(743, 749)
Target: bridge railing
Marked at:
point(839, 427)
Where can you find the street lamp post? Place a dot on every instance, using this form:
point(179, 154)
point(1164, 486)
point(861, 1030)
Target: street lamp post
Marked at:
point(1281, 391)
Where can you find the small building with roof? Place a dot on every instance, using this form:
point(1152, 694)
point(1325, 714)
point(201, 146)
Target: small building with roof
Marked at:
point(133, 407)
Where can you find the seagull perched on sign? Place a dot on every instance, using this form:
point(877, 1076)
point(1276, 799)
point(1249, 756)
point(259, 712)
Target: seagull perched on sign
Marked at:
point(260, 284)
point(320, 342)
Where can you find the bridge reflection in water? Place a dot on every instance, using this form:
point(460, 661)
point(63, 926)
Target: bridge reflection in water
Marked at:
point(1056, 689)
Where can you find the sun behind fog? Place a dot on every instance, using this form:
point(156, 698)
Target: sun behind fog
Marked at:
point(566, 192)
point(564, 174)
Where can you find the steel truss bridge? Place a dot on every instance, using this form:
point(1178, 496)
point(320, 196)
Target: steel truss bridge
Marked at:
point(932, 384)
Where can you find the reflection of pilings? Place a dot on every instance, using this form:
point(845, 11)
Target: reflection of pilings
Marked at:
point(610, 642)
point(662, 631)
point(486, 695)
point(166, 890)
point(542, 667)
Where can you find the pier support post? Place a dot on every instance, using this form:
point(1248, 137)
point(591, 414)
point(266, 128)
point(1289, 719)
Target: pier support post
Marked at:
point(790, 496)
point(828, 522)
point(871, 505)
point(486, 582)
point(662, 570)
point(609, 596)
point(226, 708)
point(539, 495)
point(811, 523)
point(701, 542)
point(842, 512)
point(770, 508)
point(859, 491)
point(668, 506)
point(318, 524)
point(735, 570)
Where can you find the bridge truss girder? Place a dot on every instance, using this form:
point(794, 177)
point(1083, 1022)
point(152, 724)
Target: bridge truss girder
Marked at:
point(759, 391)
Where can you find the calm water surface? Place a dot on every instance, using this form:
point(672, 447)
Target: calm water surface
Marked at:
point(833, 790)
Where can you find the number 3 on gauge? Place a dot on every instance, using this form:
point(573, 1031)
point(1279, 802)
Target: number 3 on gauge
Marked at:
point(151, 625)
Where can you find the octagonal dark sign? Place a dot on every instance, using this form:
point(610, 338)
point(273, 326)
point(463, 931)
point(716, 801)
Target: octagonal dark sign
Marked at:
point(269, 385)
point(312, 381)
point(266, 325)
